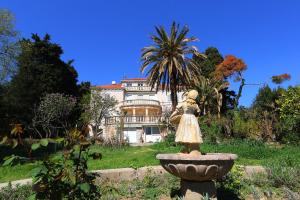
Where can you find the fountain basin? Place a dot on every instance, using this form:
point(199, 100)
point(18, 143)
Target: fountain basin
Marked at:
point(207, 167)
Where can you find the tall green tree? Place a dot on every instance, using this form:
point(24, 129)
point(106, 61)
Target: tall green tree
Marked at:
point(9, 46)
point(41, 71)
point(208, 65)
point(169, 60)
point(9, 49)
point(218, 88)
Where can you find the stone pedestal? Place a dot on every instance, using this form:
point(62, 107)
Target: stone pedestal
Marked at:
point(192, 190)
point(197, 172)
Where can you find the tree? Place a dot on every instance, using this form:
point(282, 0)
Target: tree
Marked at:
point(97, 106)
point(232, 66)
point(280, 78)
point(41, 71)
point(210, 95)
point(171, 67)
point(52, 116)
point(9, 47)
point(289, 111)
point(266, 109)
point(208, 65)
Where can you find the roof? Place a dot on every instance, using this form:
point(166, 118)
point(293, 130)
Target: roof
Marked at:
point(134, 79)
point(110, 87)
point(119, 85)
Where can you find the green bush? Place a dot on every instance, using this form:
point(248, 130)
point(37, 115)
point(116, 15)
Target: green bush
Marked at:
point(211, 130)
point(284, 172)
point(233, 185)
point(18, 192)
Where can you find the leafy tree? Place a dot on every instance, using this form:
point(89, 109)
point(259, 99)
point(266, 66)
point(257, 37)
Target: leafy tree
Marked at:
point(210, 95)
point(97, 106)
point(9, 47)
point(171, 67)
point(52, 116)
point(208, 65)
point(280, 78)
point(289, 110)
point(41, 71)
point(266, 110)
point(232, 67)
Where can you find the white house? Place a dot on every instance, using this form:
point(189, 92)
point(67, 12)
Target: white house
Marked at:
point(142, 110)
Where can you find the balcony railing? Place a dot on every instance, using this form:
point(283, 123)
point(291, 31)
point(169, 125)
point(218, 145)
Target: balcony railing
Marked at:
point(138, 88)
point(140, 102)
point(134, 120)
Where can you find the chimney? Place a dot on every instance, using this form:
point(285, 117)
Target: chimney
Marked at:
point(113, 82)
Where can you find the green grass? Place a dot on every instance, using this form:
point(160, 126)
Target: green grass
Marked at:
point(249, 153)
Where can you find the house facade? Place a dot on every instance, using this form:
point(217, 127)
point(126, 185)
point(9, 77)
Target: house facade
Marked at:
point(140, 110)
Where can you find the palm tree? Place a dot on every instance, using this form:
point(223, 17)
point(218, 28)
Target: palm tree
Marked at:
point(169, 58)
point(210, 94)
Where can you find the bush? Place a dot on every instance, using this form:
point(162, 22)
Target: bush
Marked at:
point(284, 173)
point(18, 192)
point(211, 130)
point(233, 185)
point(170, 139)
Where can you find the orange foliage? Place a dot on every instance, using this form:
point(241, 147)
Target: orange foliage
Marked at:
point(280, 78)
point(229, 67)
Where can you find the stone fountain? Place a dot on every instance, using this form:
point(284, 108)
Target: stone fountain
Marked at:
point(197, 171)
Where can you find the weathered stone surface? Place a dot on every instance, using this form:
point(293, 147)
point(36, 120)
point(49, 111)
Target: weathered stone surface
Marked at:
point(130, 174)
point(197, 168)
point(198, 190)
point(123, 174)
point(15, 183)
point(143, 171)
point(250, 170)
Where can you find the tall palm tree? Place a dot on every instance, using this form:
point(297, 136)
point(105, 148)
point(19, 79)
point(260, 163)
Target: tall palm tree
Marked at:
point(170, 62)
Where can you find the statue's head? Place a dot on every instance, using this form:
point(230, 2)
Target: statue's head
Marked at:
point(193, 94)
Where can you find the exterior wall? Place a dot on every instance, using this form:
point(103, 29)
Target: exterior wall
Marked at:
point(136, 130)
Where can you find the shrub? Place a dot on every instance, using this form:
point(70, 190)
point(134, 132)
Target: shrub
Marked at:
point(18, 192)
point(65, 175)
point(283, 173)
point(232, 187)
point(211, 130)
point(170, 139)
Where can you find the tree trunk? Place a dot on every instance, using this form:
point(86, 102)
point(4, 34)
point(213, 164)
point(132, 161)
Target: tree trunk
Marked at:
point(237, 98)
point(174, 98)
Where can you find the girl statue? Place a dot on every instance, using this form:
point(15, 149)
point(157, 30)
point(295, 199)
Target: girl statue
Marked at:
point(188, 132)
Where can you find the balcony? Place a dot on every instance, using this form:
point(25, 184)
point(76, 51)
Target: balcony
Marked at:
point(140, 102)
point(144, 120)
point(138, 88)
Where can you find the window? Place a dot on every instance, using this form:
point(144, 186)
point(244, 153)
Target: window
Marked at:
point(155, 131)
point(128, 96)
point(151, 130)
point(129, 84)
point(148, 130)
point(140, 84)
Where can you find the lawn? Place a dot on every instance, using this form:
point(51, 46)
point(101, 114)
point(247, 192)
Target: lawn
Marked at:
point(249, 153)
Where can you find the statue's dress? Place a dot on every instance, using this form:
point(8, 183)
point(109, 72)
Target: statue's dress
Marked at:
point(188, 130)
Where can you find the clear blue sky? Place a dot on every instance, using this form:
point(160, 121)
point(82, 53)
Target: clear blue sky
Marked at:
point(105, 37)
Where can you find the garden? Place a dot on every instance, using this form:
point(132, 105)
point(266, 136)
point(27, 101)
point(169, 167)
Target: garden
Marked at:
point(45, 114)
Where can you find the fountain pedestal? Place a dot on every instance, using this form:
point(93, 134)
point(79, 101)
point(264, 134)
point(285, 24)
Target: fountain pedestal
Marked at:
point(197, 172)
point(198, 190)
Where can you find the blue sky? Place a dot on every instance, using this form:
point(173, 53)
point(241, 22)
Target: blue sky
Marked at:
point(105, 37)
